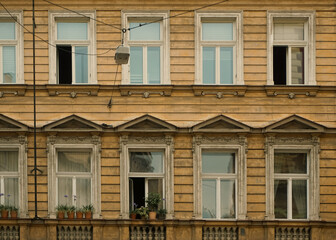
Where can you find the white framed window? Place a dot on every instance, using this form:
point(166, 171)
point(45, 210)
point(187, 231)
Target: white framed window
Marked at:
point(146, 175)
point(219, 48)
point(13, 174)
point(73, 173)
point(219, 178)
point(291, 48)
point(11, 48)
point(146, 166)
point(291, 174)
point(74, 176)
point(292, 181)
point(72, 55)
point(148, 39)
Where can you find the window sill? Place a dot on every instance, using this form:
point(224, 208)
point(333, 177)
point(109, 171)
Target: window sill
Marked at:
point(292, 91)
point(72, 91)
point(12, 89)
point(146, 90)
point(219, 90)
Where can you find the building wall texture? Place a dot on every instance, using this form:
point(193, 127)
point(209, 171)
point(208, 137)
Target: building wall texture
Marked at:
point(181, 104)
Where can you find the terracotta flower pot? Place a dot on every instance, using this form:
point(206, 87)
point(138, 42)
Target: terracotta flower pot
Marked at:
point(71, 215)
point(4, 213)
point(60, 215)
point(88, 215)
point(79, 215)
point(152, 215)
point(13, 214)
point(133, 215)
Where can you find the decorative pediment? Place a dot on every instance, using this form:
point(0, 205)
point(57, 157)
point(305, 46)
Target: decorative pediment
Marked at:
point(10, 125)
point(294, 124)
point(72, 123)
point(146, 123)
point(221, 124)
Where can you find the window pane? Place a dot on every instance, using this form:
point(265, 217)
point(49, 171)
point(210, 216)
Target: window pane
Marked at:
point(136, 64)
point(8, 161)
point(81, 64)
point(288, 31)
point(74, 161)
point(7, 31)
point(297, 65)
point(290, 162)
point(72, 31)
point(11, 192)
point(209, 198)
point(156, 186)
point(146, 162)
point(209, 65)
point(65, 192)
point(218, 162)
point(226, 65)
point(9, 64)
point(280, 198)
point(153, 65)
point(146, 32)
point(83, 192)
point(217, 31)
point(228, 199)
point(299, 193)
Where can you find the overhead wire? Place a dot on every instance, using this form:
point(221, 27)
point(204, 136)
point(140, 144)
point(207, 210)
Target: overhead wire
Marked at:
point(177, 15)
point(47, 42)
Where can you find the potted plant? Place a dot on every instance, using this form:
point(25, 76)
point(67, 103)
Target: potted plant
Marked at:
point(133, 214)
point(143, 212)
point(88, 209)
point(71, 212)
point(79, 213)
point(162, 214)
point(4, 211)
point(61, 209)
point(13, 211)
point(153, 201)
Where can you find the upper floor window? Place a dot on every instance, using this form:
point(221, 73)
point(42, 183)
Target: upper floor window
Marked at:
point(219, 48)
point(149, 48)
point(11, 43)
point(291, 43)
point(73, 59)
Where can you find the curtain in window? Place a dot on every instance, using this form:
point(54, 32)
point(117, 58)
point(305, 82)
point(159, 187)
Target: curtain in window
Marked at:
point(83, 192)
point(299, 205)
point(74, 161)
point(81, 62)
point(11, 192)
point(65, 194)
point(9, 161)
point(7, 31)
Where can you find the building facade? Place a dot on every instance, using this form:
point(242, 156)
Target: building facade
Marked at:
point(226, 109)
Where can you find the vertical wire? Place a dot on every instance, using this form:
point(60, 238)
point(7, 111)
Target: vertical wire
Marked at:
point(34, 90)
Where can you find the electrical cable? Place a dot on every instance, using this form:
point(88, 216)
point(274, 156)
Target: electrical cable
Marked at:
point(45, 41)
point(83, 15)
point(177, 15)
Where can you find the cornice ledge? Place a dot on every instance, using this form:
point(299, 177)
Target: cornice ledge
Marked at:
point(73, 90)
point(145, 90)
point(12, 89)
point(292, 91)
point(219, 90)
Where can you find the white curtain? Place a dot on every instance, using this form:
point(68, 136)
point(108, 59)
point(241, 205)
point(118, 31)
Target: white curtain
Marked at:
point(299, 189)
point(8, 161)
point(74, 161)
point(65, 191)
